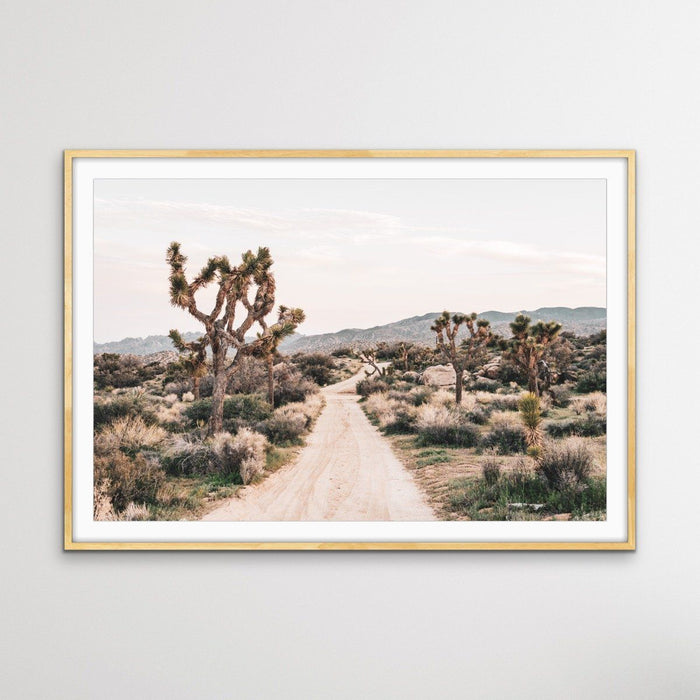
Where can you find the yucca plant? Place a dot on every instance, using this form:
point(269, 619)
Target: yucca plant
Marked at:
point(530, 414)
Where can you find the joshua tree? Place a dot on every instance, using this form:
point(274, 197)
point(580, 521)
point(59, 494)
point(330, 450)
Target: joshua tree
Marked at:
point(235, 286)
point(369, 356)
point(465, 355)
point(195, 363)
point(403, 353)
point(527, 348)
point(269, 341)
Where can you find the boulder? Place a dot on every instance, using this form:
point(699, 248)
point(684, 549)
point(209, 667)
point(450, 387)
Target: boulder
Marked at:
point(411, 377)
point(439, 375)
point(491, 370)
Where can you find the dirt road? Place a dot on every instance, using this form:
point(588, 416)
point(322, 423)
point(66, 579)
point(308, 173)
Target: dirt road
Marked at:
point(347, 471)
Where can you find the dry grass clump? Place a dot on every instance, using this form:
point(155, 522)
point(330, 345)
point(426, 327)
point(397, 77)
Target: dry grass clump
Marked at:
point(134, 511)
point(566, 463)
point(123, 479)
point(499, 402)
point(130, 434)
point(507, 435)
point(102, 508)
point(439, 425)
point(243, 453)
point(286, 424)
point(595, 402)
point(392, 415)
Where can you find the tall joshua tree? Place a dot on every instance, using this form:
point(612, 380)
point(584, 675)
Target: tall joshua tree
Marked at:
point(466, 354)
point(528, 347)
point(195, 363)
point(269, 342)
point(249, 288)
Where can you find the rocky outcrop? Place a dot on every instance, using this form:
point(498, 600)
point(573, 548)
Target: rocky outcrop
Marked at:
point(439, 375)
point(492, 369)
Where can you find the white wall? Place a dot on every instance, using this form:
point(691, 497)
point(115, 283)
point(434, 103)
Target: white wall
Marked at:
point(389, 74)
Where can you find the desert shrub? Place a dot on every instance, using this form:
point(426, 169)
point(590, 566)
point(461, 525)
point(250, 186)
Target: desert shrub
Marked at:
point(438, 425)
point(179, 387)
point(592, 381)
point(250, 377)
point(316, 366)
point(591, 425)
point(595, 402)
point(185, 455)
point(129, 435)
point(485, 384)
point(242, 454)
point(420, 395)
point(565, 464)
point(491, 470)
point(499, 402)
point(124, 479)
point(247, 407)
point(343, 351)
point(561, 395)
point(131, 404)
point(291, 385)
point(122, 370)
point(402, 420)
point(507, 435)
point(479, 415)
point(371, 385)
point(285, 425)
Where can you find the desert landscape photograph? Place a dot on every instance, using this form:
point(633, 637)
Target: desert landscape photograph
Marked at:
point(349, 349)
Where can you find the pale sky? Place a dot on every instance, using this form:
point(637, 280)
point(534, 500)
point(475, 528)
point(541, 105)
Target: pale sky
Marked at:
point(352, 253)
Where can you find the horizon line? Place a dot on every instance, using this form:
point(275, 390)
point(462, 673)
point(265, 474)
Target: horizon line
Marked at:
point(367, 328)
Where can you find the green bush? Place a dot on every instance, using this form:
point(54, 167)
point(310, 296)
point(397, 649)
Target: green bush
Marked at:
point(505, 437)
point(241, 407)
point(590, 425)
point(491, 470)
point(453, 435)
point(592, 381)
point(316, 366)
point(131, 405)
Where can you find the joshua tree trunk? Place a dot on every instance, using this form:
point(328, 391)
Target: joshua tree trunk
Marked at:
point(270, 381)
point(195, 387)
point(459, 382)
point(216, 422)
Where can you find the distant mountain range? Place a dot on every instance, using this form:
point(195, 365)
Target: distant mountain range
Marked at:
point(583, 320)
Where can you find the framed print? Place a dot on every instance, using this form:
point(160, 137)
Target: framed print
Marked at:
point(349, 350)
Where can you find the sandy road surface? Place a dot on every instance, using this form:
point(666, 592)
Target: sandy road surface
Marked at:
point(347, 471)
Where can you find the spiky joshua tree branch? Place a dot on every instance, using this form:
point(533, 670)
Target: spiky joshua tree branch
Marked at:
point(245, 296)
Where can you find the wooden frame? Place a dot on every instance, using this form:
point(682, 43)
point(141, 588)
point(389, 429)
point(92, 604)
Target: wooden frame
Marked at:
point(71, 155)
